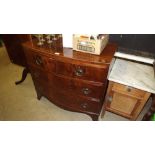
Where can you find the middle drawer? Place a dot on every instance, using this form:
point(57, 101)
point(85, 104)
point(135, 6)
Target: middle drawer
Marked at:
point(79, 87)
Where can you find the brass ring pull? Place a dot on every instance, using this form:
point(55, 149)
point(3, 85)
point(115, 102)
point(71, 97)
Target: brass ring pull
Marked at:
point(79, 72)
point(86, 91)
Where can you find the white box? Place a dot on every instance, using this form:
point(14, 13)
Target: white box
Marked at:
point(87, 45)
point(67, 40)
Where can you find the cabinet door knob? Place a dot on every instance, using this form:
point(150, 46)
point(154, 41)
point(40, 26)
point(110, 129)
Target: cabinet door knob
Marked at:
point(109, 99)
point(79, 72)
point(86, 91)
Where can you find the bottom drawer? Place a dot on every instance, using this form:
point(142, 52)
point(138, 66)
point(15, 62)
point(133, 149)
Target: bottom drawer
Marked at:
point(74, 103)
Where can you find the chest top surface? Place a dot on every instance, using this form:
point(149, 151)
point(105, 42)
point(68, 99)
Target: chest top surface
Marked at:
point(67, 53)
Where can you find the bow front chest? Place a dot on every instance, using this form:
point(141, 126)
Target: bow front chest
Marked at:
point(70, 79)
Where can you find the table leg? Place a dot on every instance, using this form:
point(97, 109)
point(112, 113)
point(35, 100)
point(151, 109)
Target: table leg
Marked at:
point(24, 75)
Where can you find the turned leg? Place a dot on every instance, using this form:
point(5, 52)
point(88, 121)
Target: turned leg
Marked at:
point(151, 111)
point(94, 117)
point(24, 75)
point(39, 96)
point(103, 110)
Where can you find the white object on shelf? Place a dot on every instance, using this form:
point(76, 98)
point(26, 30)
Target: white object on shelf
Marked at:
point(67, 40)
point(83, 43)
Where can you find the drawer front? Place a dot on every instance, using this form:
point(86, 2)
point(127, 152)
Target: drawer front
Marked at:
point(84, 72)
point(73, 102)
point(90, 73)
point(128, 90)
point(88, 106)
point(36, 60)
point(63, 68)
point(38, 74)
point(77, 86)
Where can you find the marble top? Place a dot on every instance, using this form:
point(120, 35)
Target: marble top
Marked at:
point(137, 75)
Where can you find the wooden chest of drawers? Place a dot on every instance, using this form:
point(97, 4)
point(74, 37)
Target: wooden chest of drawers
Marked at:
point(72, 80)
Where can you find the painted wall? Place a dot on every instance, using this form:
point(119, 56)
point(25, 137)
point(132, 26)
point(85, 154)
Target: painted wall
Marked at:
point(142, 42)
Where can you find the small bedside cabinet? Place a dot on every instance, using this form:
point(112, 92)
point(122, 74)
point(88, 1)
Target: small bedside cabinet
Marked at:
point(125, 100)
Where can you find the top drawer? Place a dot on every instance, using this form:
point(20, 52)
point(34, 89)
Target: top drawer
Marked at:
point(133, 92)
point(39, 61)
point(82, 71)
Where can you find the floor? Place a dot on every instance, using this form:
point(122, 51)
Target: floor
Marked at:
point(19, 103)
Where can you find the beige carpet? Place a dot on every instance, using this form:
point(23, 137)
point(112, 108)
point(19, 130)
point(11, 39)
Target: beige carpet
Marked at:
point(20, 102)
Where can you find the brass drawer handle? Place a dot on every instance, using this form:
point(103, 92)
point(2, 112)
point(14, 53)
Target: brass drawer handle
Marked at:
point(86, 91)
point(84, 105)
point(79, 72)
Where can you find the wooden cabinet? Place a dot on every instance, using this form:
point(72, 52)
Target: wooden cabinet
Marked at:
point(72, 80)
point(124, 100)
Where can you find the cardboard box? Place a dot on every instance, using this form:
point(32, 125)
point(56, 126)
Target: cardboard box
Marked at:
point(86, 44)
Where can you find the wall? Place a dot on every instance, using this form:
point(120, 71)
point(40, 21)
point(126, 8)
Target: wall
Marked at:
point(142, 42)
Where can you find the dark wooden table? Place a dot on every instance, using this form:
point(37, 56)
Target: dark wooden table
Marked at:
point(13, 44)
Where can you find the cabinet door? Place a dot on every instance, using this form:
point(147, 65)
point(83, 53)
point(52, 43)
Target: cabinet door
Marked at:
point(122, 104)
point(124, 101)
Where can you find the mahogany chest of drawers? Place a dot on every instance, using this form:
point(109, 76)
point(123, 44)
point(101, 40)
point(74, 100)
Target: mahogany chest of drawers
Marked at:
point(72, 80)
